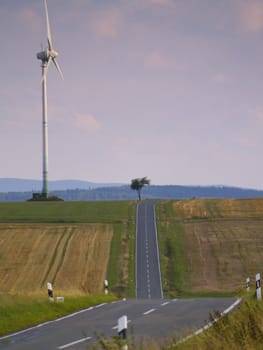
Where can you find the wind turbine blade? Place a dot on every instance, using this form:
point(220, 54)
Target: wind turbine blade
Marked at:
point(58, 68)
point(48, 63)
point(49, 40)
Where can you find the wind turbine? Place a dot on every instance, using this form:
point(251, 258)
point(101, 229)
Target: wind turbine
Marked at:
point(46, 56)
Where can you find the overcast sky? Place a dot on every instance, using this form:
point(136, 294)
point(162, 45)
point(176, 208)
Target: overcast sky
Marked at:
point(168, 89)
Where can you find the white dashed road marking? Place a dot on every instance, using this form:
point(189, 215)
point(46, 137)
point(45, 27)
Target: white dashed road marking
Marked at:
point(74, 343)
point(166, 303)
point(148, 312)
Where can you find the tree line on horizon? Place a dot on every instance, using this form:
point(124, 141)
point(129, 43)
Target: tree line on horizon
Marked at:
point(153, 191)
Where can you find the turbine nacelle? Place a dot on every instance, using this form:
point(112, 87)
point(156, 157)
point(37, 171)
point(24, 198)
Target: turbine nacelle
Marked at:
point(46, 55)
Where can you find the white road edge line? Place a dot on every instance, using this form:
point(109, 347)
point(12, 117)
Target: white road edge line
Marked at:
point(100, 305)
point(210, 324)
point(166, 303)
point(73, 314)
point(49, 322)
point(149, 312)
point(73, 343)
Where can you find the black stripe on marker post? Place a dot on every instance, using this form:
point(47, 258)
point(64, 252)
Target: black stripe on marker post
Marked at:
point(50, 290)
point(248, 284)
point(106, 287)
point(258, 287)
point(122, 327)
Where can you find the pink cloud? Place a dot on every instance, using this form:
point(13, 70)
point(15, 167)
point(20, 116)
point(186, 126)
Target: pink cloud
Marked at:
point(256, 114)
point(86, 122)
point(108, 23)
point(170, 3)
point(220, 77)
point(157, 59)
point(29, 18)
point(259, 115)
point(251, 15)
point(248, 141)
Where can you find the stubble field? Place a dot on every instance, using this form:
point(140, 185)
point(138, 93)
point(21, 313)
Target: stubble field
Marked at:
point(211, 245)
point(73, 257)
point(66, 243)
point(73, 245)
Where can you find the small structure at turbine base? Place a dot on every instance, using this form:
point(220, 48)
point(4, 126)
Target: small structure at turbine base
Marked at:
point(41, 197)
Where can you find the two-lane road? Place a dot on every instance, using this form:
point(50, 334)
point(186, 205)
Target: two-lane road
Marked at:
point(149, 315)
point(149, 318)
point(148, 276)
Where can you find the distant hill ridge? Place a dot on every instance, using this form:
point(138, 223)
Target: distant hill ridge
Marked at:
point(76, 190)
point(24, 185)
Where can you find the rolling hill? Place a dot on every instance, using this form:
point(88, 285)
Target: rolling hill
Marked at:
point(25, 185)
point(78, 191)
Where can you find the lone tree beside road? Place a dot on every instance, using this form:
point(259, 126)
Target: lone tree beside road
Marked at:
point(138, 184)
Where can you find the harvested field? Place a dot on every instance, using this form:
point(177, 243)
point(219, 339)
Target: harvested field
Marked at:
point(74, 257)
point(223, 253)
point(219, 208)
point(210, 245)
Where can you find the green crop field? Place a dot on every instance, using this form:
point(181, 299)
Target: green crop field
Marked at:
point(66, 212)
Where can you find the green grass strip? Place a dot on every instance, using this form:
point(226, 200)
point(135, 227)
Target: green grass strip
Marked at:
point(20, 312)
point(113, 264)
point(172, 246)
point(242, 329)
point(63, 212)
point(122, 282)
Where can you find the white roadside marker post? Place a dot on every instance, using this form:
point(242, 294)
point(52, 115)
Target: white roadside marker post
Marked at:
point(50, 291)
point(258, 287)
point(122, 329)
point(248, 284)
point(106, 287)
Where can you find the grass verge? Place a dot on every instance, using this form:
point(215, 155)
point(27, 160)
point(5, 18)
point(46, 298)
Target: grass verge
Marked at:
point(20, 312)
point(173, 258)
point(121, 266)
point(113, 265)
point(241, 329)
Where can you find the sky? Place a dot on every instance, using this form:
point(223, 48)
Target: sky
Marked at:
point(168, 89)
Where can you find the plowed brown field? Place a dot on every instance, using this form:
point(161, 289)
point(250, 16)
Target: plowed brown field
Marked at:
point(73, 257)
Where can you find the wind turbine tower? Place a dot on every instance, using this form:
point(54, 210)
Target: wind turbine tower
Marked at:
point(46, 56)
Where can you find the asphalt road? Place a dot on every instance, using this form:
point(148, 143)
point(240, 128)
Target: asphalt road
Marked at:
point(149, 315)
point(148, 277)
point(146, 318)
